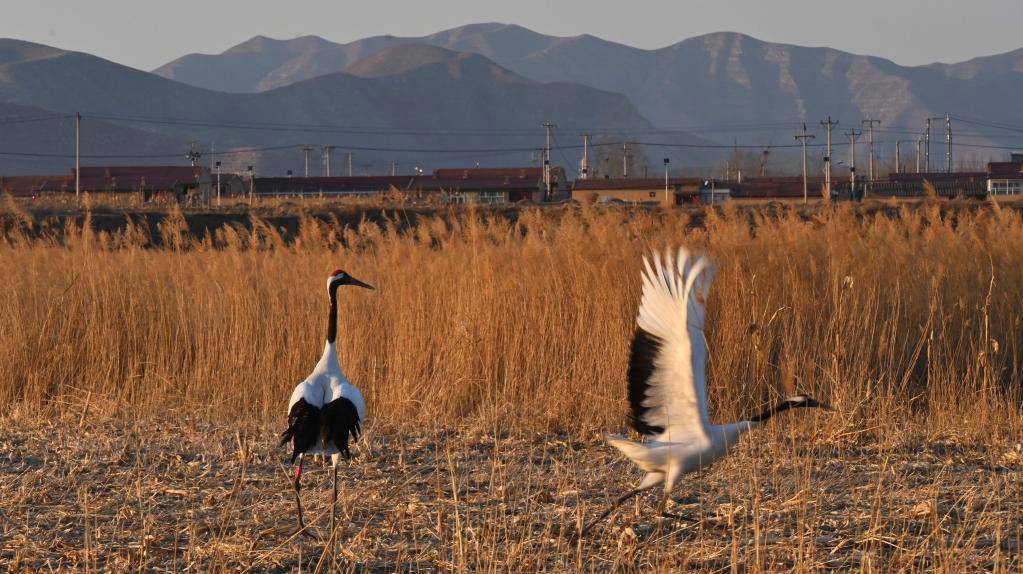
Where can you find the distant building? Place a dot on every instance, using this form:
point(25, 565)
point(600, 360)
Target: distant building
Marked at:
point(637, 191)
point(782, 187)
point(945, 184)
point(175, 183)
point(330, 186)
point(151, 183)
point(447, 185)
point(1005, 177)
point(492, 185)
point(35, 185)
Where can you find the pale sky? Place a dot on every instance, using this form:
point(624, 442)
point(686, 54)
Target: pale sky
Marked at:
point(147, 33)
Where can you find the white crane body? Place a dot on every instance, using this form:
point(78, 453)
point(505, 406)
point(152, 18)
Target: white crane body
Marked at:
point(325, 411)
point(667, 385)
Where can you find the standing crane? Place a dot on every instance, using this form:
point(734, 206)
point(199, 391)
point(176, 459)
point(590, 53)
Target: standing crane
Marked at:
point(668, 385)
point(326, 411)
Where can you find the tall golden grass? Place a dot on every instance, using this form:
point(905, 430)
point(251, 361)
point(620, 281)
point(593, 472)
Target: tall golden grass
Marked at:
point(900, 314)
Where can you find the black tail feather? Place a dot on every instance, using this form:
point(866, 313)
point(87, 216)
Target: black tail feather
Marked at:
point(340, 424)
point(303, 428)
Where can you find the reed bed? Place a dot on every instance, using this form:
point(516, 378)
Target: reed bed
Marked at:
point(492, 355)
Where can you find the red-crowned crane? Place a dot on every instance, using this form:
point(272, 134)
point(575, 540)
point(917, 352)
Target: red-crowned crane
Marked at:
point(326, 411)
point(667, 381)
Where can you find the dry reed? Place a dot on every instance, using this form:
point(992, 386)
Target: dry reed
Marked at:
point(907, 319)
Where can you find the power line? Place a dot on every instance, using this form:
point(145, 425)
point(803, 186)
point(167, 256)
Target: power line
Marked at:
point(27, 119)
point(470, 152)
point(568, 164)
point(387, 130)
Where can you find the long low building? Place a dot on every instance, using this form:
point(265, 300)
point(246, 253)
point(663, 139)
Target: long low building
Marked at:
point(177, 183)
point(35, 185)
point(510, 185)
point(944, 184)
point(448, 185)
point(639, 191)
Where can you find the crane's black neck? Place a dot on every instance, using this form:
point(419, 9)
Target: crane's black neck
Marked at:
point(779, 408)
point(332, 319)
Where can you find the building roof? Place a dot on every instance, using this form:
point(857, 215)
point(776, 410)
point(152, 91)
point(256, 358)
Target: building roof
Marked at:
point(435, 182)
point(620, 183)
point(340, 184)
point(754, 189)
point(27, 185)
point(1005, 169)
point(134, 178)
point(935, 176)
point(489, 173)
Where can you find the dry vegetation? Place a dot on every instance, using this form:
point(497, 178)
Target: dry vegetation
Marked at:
point(142, 386)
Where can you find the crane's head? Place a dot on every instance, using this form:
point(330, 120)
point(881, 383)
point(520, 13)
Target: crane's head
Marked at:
point(807, 402)
point(340, 277)
point(794, 402)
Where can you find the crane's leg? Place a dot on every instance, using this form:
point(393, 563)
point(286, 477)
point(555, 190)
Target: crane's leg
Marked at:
point(621, 500)
point(649, 481)
point(297, 484)
point(674, 472)
point(664, 504)
point(333, 503)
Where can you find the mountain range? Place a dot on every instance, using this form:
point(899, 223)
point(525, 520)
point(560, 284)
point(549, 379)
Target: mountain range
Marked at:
point(486, 88)
point(719, 78)
point(401, 104)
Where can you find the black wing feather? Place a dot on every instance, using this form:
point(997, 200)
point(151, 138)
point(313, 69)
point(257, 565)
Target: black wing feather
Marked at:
point(645, 348)
point(340, 421)
point(304, 422)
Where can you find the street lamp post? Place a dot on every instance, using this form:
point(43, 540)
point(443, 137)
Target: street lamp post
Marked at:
point(252, 185)
point(666, 162)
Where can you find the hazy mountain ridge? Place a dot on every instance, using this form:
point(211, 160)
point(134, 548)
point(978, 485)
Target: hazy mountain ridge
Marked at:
point(721, 78)
point(404, 98)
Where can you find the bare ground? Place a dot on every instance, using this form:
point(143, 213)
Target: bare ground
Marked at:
point(172, 495)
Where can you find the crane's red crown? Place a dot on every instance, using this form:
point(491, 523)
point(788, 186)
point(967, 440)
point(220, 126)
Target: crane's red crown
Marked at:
point(336, 273)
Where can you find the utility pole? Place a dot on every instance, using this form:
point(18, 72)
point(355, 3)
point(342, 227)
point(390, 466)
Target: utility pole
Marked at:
point(394, 168)
point(827, 157)
point(349, 164)
point(870, 126)
point(584, 172)
point(804, 137)
point(852, 135)
point(213, 163)
point(927, 147)
point(918, 142)
point(625, 159)
point(548, 126)
point(898, 156)
point(305, 151)
point(217, 165)
point(78, 157)
point(192, 155)
point(326, 159)
point(948, 143)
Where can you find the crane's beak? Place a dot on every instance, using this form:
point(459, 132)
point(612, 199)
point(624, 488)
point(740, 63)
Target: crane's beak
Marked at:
point(819, 405)
point(356, 282)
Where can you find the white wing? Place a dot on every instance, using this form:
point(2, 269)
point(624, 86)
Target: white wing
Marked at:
point(667, 368)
